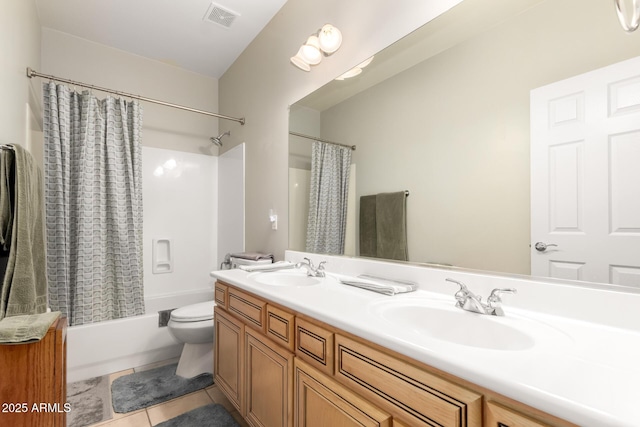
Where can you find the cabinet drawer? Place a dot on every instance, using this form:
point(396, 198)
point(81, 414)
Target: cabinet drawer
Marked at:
point(249, 308)
point(497, 415)
point(314, 345)
point(414, 396)
point(220, 295)
point(280, 327)
point(321, 401)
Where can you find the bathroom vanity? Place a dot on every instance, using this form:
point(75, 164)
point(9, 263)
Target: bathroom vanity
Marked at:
point(292, 350)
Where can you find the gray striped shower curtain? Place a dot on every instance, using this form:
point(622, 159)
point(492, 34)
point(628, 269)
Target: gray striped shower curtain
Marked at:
point(93, 205)
point(329, 188)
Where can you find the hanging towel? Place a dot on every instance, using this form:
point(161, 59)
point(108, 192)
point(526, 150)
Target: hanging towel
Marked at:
point(6, 198)
point(391, 226)
point(24, 287)
point(27, 328)
point(383, 226)
point(368, 232)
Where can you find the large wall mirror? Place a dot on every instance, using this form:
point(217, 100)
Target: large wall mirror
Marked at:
point(445, 114)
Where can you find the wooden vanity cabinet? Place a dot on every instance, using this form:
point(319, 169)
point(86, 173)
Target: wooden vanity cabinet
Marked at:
point(282, 369)
point(33, 387)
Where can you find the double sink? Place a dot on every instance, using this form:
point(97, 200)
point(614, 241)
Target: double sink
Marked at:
point(436, 319)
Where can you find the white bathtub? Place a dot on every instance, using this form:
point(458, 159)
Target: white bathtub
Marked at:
point(102, 348)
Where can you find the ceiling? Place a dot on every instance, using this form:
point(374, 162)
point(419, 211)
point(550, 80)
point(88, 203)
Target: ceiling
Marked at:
point(171, 31)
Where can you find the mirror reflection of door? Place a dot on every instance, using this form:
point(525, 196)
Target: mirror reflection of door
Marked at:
point(585, 176)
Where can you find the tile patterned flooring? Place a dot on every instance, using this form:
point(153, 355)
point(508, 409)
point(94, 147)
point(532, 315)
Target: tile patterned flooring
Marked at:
point(156, 414)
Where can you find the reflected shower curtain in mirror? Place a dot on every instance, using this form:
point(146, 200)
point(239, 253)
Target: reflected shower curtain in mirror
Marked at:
point(93, 205)
point(327, 221)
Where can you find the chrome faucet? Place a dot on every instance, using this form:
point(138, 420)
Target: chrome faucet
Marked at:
point(311, 270)
point(469, 301)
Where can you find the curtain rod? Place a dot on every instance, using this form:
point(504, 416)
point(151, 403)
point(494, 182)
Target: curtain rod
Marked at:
point(32, 73)
point(301, 135)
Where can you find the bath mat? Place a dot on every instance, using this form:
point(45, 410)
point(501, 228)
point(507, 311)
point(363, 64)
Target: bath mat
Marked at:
point(143, 389)
point(213, 415)
point(90, 402)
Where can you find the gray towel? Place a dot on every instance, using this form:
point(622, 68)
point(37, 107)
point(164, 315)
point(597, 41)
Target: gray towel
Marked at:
point(368, 232)
point(391, 225)
point(24, 287)
point(28, 328)
point(6, 191)
point(383, 226)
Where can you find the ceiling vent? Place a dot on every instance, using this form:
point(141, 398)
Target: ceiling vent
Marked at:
point(220, 15)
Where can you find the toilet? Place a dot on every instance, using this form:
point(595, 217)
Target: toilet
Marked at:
point(193, 325)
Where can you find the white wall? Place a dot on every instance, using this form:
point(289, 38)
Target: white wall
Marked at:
point(20, 48)
point(78, 59)
point(180, 196)
point(262, 84)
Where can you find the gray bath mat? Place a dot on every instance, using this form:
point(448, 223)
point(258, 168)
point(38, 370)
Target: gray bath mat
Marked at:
point(213, 415)
point(143, 389)
point(90, 402)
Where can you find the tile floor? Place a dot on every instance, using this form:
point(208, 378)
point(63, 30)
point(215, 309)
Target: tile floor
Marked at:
point(156, 414)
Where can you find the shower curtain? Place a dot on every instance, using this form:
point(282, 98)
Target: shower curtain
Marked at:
point(93, 205)
point(329, 187)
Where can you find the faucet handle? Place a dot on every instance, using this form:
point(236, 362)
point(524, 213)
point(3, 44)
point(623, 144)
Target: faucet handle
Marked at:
point(494, 299)
point(320, 269)
point(309, 262)
point(462, 294)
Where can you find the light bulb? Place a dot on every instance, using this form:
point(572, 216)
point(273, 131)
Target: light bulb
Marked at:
point(310, 51)
point(330, 38)
point(298, 61)
point(351, 73)
point(628, 14)
point(365, 63)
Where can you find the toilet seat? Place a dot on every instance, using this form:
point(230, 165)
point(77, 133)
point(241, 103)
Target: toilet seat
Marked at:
point(194, 312)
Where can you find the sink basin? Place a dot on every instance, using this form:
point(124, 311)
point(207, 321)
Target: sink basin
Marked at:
point(442, 321)
point(290, 278)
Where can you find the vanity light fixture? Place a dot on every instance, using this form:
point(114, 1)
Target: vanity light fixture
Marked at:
point(628, 12)
point(323, 43)
point(355, 70)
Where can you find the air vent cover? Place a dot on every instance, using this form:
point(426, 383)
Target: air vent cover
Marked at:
point(220, 15)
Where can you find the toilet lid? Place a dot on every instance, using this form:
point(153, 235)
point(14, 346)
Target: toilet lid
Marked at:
point(194, 312)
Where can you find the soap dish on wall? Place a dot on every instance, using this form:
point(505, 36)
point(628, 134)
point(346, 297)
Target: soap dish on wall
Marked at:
point(162, 257)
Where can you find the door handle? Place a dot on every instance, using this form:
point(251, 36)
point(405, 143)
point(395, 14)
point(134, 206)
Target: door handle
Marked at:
point(541, 246)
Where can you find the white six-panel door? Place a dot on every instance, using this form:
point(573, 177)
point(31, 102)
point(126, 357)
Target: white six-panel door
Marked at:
point(585, 176)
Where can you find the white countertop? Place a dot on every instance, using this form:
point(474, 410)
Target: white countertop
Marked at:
point(586, 373)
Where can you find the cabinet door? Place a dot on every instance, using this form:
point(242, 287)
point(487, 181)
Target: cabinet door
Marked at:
point(322, 402)
point(268, 382)
point(227, 359)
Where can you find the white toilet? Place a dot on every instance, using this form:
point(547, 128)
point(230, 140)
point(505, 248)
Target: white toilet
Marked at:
point(193, 325)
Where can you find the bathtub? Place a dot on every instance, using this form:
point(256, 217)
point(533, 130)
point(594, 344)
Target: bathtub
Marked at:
point(115, 345)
